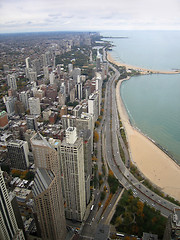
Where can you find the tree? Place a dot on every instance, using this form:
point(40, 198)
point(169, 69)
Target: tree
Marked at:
point(97, 123)
point(96, 137)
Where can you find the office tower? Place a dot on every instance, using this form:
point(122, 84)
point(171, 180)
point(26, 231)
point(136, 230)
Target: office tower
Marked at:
point(79, 88)
point(31, 122)
point(47, 189)
point(52, 78)
point(23, 97)
point(27, 60)
point(8, 225)
point(18, 154)
point(3, 120)
point(71, 155)
point(11, 79)
point(34, 106)
point(93, 105)
point(9, 102)
point(172, 230)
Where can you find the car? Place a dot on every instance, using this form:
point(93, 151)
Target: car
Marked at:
point(92, 219)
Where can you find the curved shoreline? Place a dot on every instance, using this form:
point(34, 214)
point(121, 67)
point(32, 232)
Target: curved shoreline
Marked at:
point(140, 69)
point(151, 160)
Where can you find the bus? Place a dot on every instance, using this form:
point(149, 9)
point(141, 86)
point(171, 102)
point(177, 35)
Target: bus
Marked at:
point(92, 207)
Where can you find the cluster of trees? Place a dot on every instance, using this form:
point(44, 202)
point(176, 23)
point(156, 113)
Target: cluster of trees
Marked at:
point(113, 182)
point(79, 57)
point(134, 217)
point(28, 175)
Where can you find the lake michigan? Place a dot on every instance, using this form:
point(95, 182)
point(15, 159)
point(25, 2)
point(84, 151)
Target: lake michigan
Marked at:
point(152, 101)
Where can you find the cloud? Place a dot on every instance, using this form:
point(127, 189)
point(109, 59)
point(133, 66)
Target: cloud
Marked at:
point(88, 15)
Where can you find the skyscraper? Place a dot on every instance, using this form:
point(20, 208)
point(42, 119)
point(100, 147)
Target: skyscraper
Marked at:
point(47, 189)
point(71, 157)
point(49, 207)
point(8, 225)
point(18, 153)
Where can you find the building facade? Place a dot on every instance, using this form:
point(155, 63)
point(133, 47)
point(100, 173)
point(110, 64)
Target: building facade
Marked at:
point(71, 156)
point(18, 154)
point(8, 225)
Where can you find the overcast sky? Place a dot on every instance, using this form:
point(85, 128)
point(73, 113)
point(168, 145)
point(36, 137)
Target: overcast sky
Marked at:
point(62, 15)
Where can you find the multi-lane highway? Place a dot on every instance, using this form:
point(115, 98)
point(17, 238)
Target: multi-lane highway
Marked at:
point(114, 160)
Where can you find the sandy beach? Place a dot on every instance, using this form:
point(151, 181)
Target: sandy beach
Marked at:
point(159, 168)
point(142, 70)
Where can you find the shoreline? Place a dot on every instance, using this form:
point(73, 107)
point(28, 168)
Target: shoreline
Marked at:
point(147, 155)
point(140, 69)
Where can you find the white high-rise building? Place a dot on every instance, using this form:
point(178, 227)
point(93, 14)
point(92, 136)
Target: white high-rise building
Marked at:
point(9, 102)
point(8, 225)
point(52, 77)
point(12, 81)
point(27, 62)
point(34, 106)
point(71, 155)
point(93, 105)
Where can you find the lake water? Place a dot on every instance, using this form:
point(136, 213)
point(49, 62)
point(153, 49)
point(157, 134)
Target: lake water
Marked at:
point(152, 101)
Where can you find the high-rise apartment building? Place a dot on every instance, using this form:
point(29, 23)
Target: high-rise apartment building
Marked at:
point(18, 154)
point(34, 106)
point(23, 97)
point(71, 155)
point(11, 79)
point(93, 105)
point(9, 102)
point(47, 189)
point(8, 225)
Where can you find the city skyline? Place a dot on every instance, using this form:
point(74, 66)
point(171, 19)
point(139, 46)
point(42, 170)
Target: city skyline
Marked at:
point(41, 16)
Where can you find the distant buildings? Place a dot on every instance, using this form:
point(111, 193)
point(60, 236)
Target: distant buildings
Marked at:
point(8, 225)
point(18, 154)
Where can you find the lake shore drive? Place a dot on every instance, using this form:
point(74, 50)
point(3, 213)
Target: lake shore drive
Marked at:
point(155, 164)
